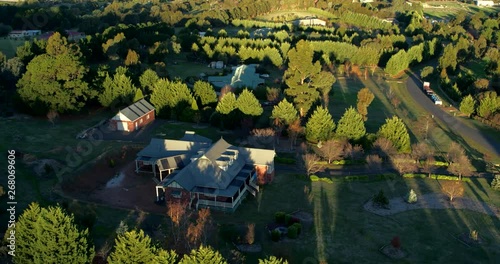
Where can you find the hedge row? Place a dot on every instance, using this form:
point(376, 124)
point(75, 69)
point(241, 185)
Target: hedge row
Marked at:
point(343, 162)
point(285, 160)
point(435, 177)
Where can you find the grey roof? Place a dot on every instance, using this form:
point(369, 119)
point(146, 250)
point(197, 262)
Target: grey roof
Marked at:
point(161, 148)
point(137, 109)
point(175, 162)
point(242, 76)
point(191, 136)
point(206, 173)
point(258, 156)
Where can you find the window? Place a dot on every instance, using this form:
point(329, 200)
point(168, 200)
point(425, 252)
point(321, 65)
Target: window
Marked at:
point(140, 122)
point(177, 194)
point(147, 116)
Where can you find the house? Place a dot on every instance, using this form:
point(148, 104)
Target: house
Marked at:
point(310, 21)
point(133, 116)
point(484, 3)
point(216, 65)
point(242, 76)
point(24, 33)
point(72, 35)
point(199, 173)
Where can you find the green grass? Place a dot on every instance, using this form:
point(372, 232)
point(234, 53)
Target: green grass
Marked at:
point(9, 46)
point(344, 232)
point(477, 68)
point(176, 131)
point(450, 9)
point(298, 13)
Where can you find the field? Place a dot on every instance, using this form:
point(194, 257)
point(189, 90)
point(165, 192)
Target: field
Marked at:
point(448, 10)
point(9, 46)
point(285, 13)
point(344, 232)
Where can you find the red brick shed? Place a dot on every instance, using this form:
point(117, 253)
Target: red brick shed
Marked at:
point(134, 116)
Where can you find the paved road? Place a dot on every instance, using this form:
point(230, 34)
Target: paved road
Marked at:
point(413, 84)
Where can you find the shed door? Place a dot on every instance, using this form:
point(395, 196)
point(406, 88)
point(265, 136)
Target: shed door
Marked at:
point(122, 126)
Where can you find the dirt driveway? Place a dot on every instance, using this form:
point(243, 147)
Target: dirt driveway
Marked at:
point(117, 186)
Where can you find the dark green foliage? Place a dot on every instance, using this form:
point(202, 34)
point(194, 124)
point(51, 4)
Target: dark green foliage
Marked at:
point(293, 232)
point(468, 105)
point(49, 235)
point(279, 217)
point(170, 98)
point(397, 63)
point(285, 160)
point(288, 219)
point(395, 130)
point(203, 255)
point(320, 125)
point(275, 235)
point(118, 91)
point(148, 79)
point(272, 260)
point(351, 125)
point(299, 227)
point(380, 199)
point(489, 104)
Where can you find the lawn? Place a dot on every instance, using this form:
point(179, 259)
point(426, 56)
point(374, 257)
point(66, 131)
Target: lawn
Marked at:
point(344, 233)
point(9, 46)
point(298, 13)
point(448, 10)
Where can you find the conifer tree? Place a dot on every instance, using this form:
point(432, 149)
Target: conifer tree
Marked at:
point(489, 104)
point(320, 125)
point(272, 260)
point(304, 78)
point(204, 92)
point(203, 255)
point(49, 235)
point(285, 112)
point(395, 131)
point(351, 125)
point(148, 79)
point(136, 247)
point(118, 90)
point(226, 104)
point(248, 104)
point(138, 95)
point(397, 63)
point(468, 105)
point(170, 98)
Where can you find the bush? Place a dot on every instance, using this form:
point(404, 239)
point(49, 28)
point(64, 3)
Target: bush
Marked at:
point(280, 217)
point(299, 227)
point(380, 199)
point(436, 177)
point(495, 183)
point(275, 235)
point(288, 219)
point(314, 178)
point(293, 232)
point(112, 163)
point(285, 160)
point(411, 197)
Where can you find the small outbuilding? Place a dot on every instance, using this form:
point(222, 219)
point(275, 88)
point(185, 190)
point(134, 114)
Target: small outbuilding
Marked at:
point(484, 3)
point(133, 116)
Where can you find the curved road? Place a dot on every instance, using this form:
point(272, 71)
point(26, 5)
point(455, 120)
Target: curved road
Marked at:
point(413, 84)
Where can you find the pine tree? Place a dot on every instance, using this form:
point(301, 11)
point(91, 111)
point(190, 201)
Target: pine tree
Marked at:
point(226, 104)
point(136, 247)
point(395, 130)
point(397, 63)
point(170, 98)
point(138, 95)
point(204, 92)
point(49, 235)
point(320, 125)
point(285, 112)
point(351, 125)
point(148, 79)
point(248, 104)
point(203, 255)
point(272, 260)
point(488, 104)
point(365, 98)
point(304, 78)
point(468, 105)
point(118, 90)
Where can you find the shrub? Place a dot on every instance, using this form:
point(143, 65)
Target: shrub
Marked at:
point(380, 199)
point(280, 217)
point(314, 178)
point(293, 232)
point(474, 235)
point(289, 161)
point(288, 219)
point(411, 197)
point(275, 235)
point(396, 242)
point(495, 183)
point(112, 163)
point(299, 227)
